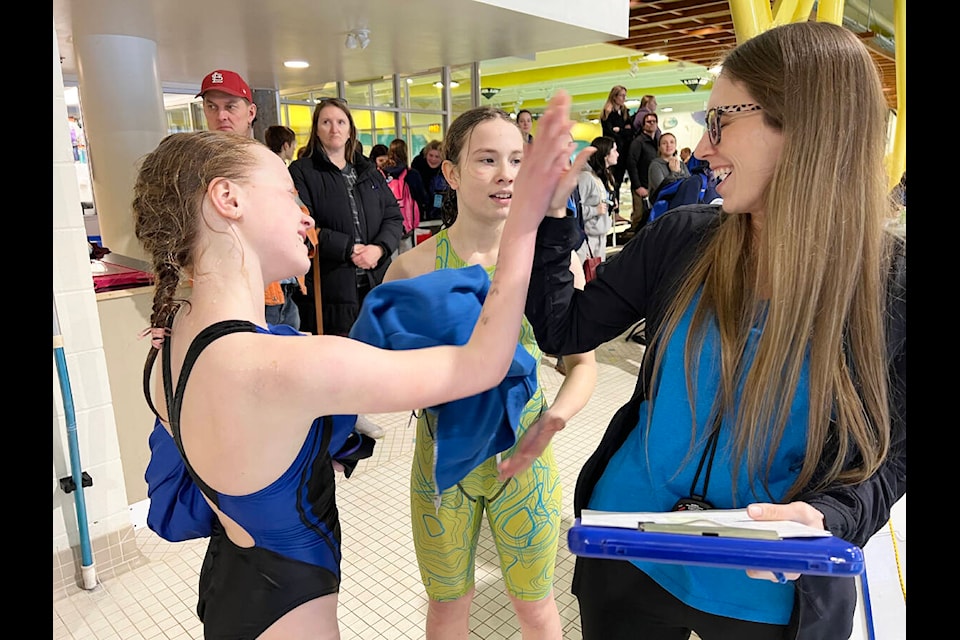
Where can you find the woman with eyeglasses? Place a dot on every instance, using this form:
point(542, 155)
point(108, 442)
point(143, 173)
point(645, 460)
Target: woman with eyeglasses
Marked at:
point(251, 463)
point(775, 376)
point(357, 218)
point(521, 499)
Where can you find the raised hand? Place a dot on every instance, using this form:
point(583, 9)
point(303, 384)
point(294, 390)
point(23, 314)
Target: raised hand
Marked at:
point(546, 177)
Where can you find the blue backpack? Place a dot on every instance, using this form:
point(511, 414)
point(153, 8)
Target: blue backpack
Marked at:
point(679, 192)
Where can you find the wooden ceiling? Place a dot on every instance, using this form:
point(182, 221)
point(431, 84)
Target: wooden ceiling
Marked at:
point(701, 31)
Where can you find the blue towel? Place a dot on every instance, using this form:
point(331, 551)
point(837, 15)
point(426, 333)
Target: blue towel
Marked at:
point(441, 308)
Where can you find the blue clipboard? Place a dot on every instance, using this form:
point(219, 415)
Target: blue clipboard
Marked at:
point(826, 556)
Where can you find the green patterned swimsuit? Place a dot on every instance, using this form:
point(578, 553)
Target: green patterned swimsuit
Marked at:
point(523, 513)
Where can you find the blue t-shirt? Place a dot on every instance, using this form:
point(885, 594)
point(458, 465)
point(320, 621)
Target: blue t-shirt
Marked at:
point(652, 470)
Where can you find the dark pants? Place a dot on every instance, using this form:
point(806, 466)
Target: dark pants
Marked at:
point(307, 309)
point(618, 170)
point(620, 602)
point(641, 211)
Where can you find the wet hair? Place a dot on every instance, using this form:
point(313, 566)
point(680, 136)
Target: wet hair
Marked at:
point(824, 253)
point(598, 161)
point(168, 194)
point(352, 147)
point(453, 143)
point(278, 135)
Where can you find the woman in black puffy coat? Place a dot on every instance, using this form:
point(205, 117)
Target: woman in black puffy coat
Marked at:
point(357, 218)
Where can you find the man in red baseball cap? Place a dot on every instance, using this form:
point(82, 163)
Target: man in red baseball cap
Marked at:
point(228, 102)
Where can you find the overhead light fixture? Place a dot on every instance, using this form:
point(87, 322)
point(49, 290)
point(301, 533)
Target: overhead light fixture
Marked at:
point(489, 92)
point(357, 39)
point(656, 57)
point(453, 84)
point(694, 83)
point(634, 66)
point(296, 64)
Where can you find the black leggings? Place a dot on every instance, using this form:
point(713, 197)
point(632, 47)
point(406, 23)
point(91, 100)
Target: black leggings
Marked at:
point(620, 602)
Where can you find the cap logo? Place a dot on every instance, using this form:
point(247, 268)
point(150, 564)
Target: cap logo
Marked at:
point(216, 78)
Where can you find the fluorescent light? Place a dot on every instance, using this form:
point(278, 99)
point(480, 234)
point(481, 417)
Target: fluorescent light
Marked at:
point(296, 64)
point(656, 57)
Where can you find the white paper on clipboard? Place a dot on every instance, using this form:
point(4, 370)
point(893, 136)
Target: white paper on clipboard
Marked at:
point(737, 518)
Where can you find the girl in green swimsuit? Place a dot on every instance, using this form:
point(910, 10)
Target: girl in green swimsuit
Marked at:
point(520, 494)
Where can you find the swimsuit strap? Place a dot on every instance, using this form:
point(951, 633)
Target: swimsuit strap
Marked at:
point(175, 398)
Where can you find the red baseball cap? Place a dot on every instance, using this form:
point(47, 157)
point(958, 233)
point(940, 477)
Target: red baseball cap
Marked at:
point(228, 82)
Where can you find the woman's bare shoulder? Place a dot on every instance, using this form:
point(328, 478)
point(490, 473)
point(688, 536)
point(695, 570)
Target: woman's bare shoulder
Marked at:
point(414, 262)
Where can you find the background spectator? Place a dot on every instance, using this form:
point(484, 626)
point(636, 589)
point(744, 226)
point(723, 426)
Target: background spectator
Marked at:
point(596, 198)
point(615, 123)
point(281, 140)
point(643, 149)
point(525, 120)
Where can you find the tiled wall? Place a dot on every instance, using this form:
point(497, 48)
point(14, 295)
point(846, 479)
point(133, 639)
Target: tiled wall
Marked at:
point(106, 503)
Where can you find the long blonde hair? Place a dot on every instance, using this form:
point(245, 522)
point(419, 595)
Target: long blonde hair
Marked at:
point(608, 105)
point(822, 254)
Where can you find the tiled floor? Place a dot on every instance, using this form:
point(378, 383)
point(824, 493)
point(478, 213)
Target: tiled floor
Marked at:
point(381, 596)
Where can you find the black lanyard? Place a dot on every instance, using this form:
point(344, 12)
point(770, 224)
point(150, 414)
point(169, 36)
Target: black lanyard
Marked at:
point(695, 501)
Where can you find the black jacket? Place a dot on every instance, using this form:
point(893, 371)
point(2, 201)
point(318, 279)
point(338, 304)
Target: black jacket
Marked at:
point(637, 283)
point(643, 150)
point(431, 186)
point(322, 188)
point(625, 124)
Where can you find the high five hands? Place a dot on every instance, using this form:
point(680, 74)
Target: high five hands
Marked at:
point(546, 170)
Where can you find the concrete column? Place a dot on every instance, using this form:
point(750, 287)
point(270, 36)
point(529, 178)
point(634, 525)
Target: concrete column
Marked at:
point(122, 104)
point(268, 111)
